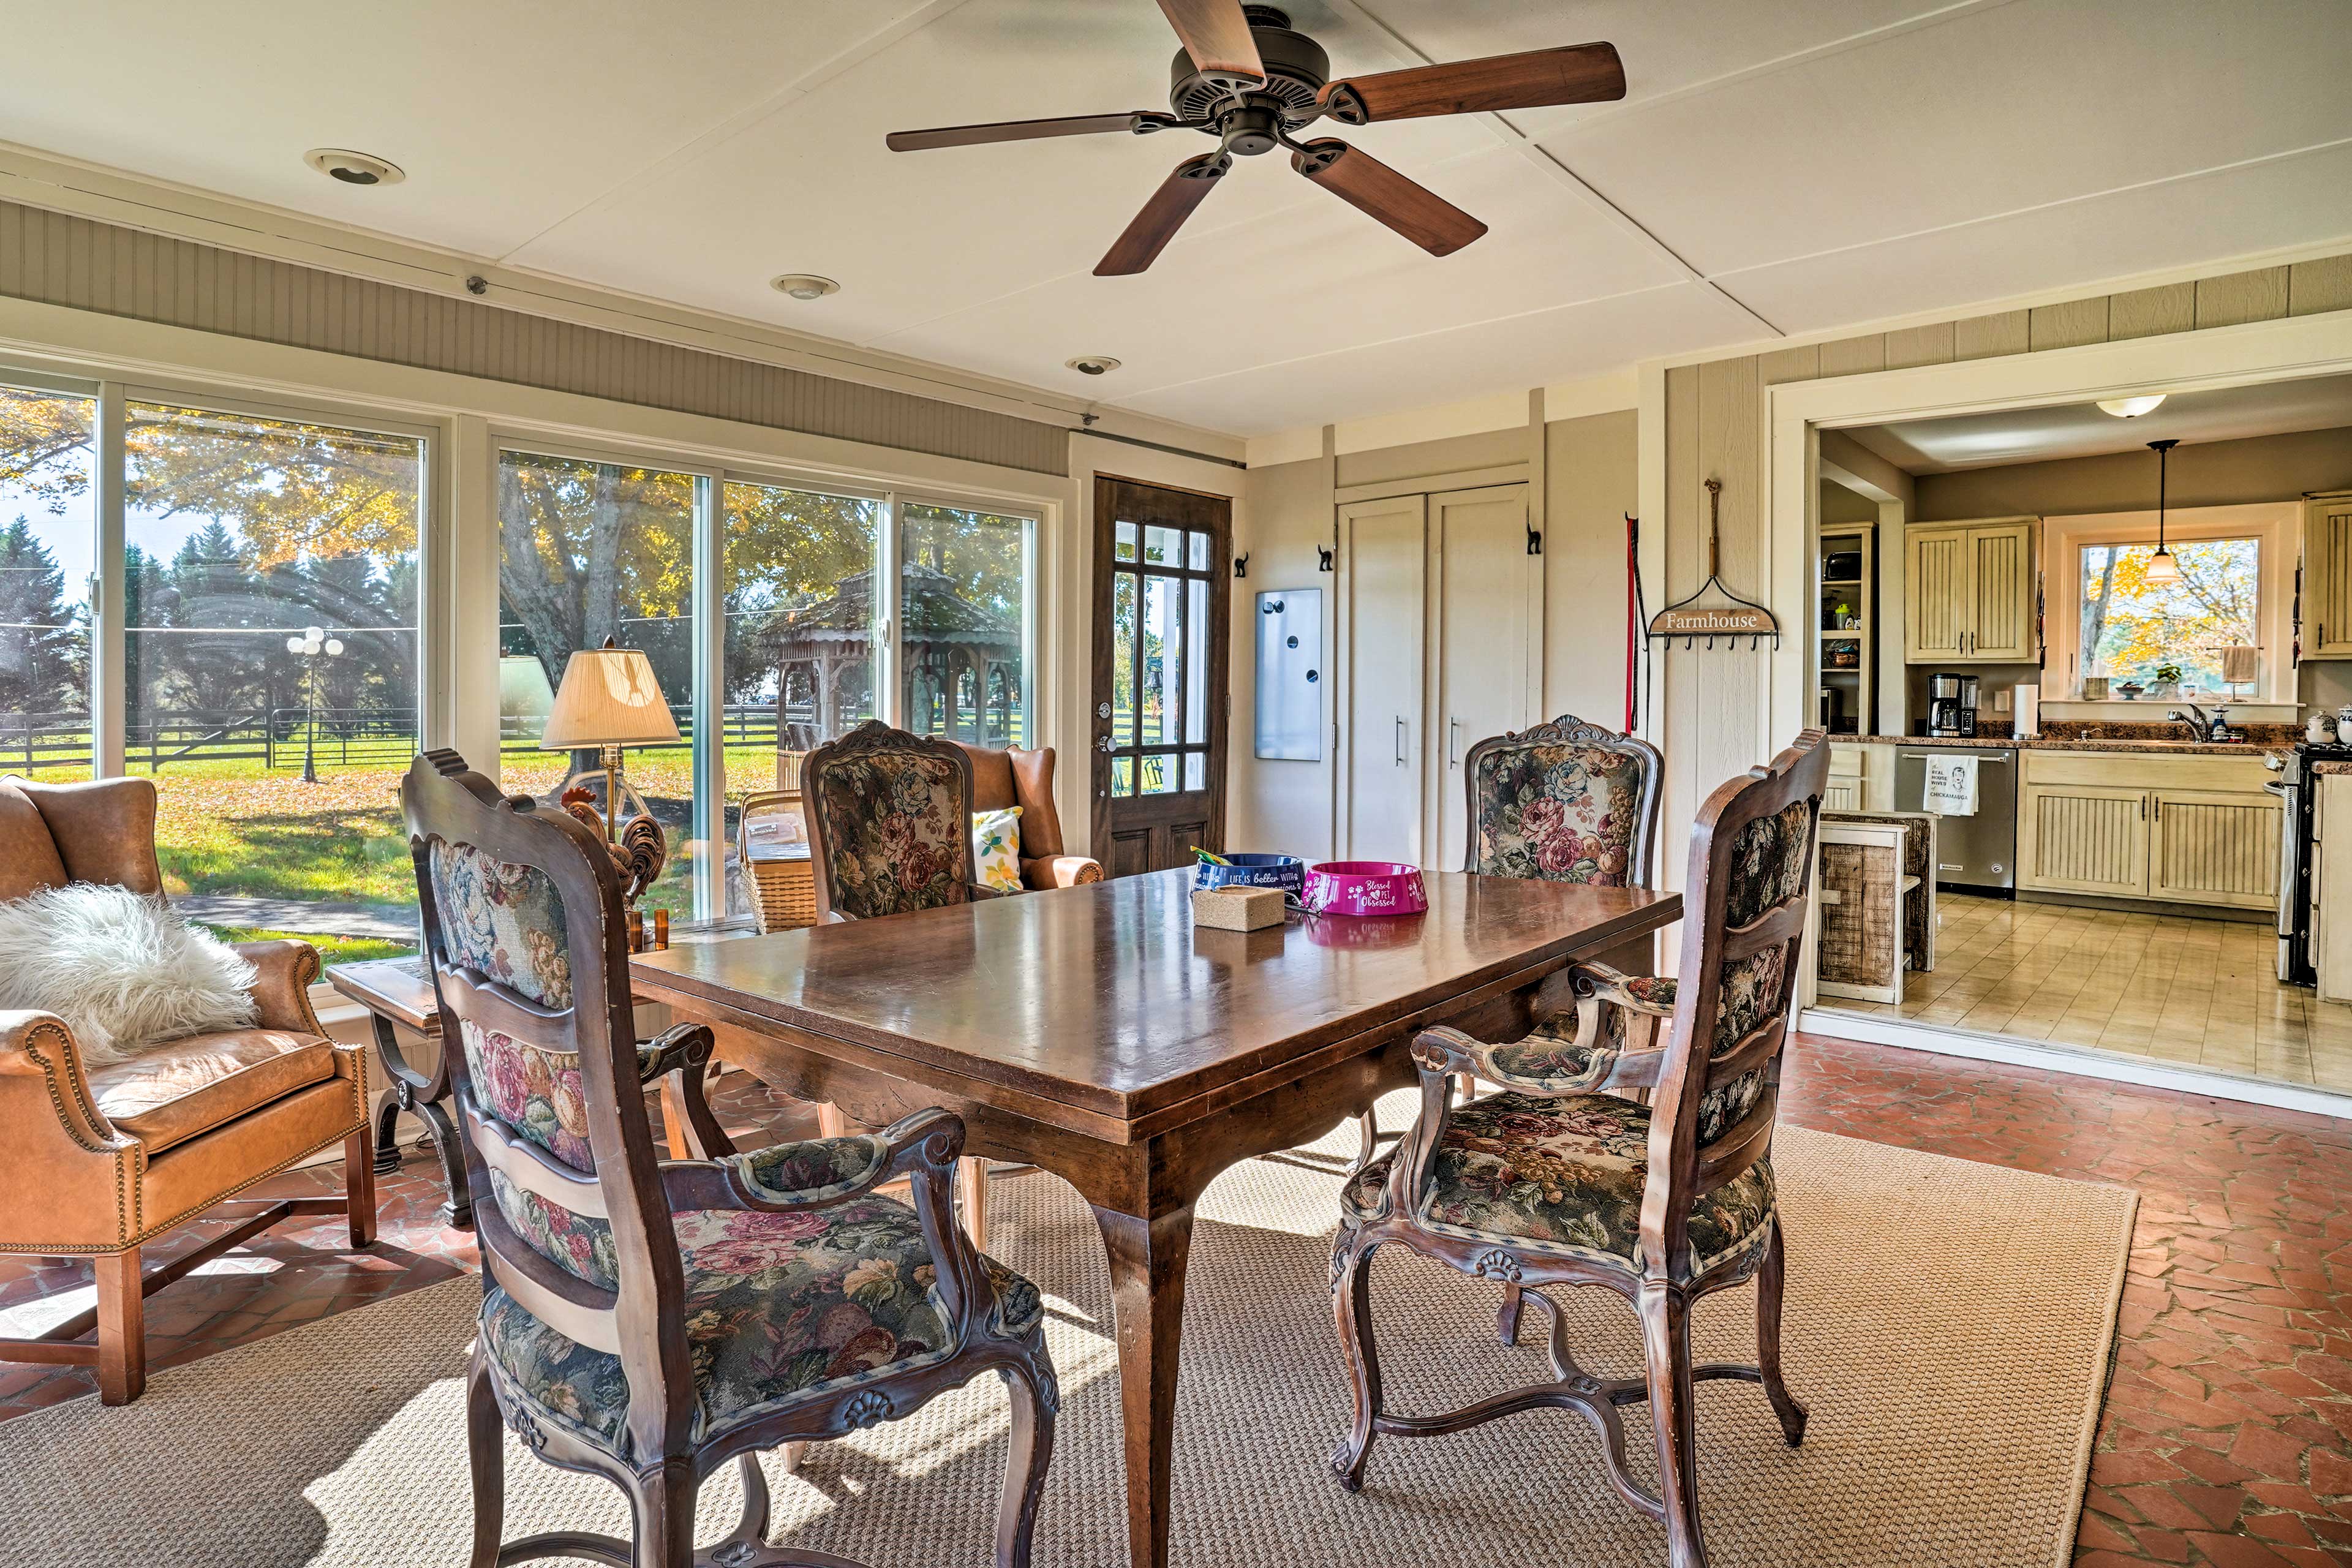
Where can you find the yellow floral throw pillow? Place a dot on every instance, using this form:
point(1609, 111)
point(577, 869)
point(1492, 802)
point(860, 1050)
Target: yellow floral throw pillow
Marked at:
point(996, 848)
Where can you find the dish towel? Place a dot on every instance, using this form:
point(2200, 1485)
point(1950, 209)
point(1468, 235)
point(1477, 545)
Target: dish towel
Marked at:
point(1951, 787)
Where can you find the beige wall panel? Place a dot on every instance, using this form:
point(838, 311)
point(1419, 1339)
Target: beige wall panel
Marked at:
point(1285, 513)
point(1453, 455)
point(2066, 326)
point(1732, 690)
point(2256, 296)
point(2150, 312)
point(1985, 337)
point(2222, 473)
point(1591, 481)
point(1790, 364)
point(1920, 345)
point(1855, 356)
point(2315, 286)
point(57, 259)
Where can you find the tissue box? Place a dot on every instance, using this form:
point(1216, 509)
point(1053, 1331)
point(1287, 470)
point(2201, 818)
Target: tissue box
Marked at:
point(1237, 909)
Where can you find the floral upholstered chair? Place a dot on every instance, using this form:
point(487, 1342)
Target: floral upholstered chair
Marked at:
point(890, 820)
point(1550, 1183)
point(644, 1320)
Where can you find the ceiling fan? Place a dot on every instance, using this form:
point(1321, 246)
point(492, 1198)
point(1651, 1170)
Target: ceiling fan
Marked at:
point(1244, 78)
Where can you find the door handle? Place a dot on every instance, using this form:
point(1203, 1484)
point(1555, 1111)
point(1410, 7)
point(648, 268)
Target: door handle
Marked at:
point(1454, 743)
point(1400, 740)
point(1103, 744)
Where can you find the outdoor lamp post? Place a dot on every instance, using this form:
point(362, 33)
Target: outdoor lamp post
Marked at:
point(313, 644)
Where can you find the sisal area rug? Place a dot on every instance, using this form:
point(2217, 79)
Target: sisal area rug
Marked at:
point(1948, 1323)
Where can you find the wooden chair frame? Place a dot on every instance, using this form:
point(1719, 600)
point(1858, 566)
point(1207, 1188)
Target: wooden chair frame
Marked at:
point(872, 739)
point(1568, 730)
point(635, 1191)
point(1667, 1281)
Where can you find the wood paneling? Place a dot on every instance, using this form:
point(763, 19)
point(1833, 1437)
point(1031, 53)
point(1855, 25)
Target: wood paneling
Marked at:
point(2067, 326)
point(2149, 313)
point(1920, 345)
point(2003, 578)
point(1937, 593)
point(1984, 337)
point(2082, 839)
point(1855, 356)
point(57, 259)
point(2322, 285)
point(2256, 296)
point(1790, 364)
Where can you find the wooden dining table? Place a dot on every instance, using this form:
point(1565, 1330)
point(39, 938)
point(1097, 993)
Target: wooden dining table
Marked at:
point(1096, 1033)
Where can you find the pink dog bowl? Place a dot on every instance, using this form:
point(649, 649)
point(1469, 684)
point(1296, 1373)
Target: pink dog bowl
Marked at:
point(1364, 887)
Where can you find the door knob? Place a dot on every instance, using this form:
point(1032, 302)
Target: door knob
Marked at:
point(1104, 745)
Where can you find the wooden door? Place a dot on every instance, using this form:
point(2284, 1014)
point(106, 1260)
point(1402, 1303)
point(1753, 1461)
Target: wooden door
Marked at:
point(1478, 544)
point(1940, 594)
point(2214, 847)
point(2327, 576)
point(1162, 565)
point(2001, 573)
point(1382, 587)
point(2082, 838)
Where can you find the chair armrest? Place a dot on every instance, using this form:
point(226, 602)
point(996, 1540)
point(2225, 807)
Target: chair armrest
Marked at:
point(1060, 871)
point(282, 989)
point(67, 1172)
point(1596, 1028)
point(818, 1172)
point(682, 1053)
point(982, 891)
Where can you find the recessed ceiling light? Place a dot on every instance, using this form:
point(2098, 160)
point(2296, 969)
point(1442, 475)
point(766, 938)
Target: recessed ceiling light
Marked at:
point(2130, 407)
point(353, 168)
point(1092, 364)
point(804, 285)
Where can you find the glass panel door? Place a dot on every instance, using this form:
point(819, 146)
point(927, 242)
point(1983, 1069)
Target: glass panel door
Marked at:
point(47, 535)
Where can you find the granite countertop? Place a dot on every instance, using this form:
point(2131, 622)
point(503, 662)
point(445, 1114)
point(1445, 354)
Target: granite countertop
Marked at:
point(2048, 743)
point(2335, 769)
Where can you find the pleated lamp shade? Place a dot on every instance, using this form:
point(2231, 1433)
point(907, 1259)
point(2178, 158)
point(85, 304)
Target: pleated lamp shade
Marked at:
point(609, 698)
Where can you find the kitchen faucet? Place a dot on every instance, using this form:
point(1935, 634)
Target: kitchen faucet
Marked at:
point(2201, 728)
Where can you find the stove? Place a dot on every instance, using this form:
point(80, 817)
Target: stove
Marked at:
point(2297, 856)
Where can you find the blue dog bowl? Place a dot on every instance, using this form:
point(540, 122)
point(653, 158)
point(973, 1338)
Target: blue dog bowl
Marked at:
point(1287, 872)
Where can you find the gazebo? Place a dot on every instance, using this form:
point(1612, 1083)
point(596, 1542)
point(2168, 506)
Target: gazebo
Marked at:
point(963, 660)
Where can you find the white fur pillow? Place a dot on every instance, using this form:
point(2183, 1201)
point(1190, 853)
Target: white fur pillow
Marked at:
point(122, 970)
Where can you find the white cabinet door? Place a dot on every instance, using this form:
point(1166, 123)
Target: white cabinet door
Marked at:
point(1383, 551)
point(1481, 576)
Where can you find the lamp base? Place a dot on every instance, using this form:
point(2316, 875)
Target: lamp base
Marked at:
point(623, 800)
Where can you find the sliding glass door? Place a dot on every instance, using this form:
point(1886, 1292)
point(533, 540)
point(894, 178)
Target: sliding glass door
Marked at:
point(47, 538)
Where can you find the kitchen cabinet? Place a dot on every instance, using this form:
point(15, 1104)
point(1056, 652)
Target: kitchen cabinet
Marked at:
point(1844, 792)
point(2331, 938)
point(2184, 828)
point(2327, 575)
point(1969, 592)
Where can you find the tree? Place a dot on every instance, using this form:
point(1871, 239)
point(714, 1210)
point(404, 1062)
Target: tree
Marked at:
point(44, 641)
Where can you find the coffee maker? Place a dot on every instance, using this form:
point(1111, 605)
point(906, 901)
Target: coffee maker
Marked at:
point(1952, 704)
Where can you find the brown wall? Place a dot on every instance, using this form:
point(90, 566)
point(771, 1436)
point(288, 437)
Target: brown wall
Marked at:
point(2216, 473)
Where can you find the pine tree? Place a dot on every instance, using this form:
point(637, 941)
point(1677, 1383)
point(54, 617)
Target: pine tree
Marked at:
point(42, 637)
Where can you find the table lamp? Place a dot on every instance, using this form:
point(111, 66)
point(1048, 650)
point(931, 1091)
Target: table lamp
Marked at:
point(609, 699)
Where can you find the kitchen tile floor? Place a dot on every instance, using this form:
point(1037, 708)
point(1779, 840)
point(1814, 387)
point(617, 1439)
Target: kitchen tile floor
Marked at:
point(2199, 993)
point(2225, 1441)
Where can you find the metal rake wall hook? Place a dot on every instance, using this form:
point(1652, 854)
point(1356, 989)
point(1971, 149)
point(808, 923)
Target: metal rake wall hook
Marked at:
point(1732, 619)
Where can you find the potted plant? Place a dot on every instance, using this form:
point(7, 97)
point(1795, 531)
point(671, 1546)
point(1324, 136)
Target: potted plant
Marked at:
point(2168, 682)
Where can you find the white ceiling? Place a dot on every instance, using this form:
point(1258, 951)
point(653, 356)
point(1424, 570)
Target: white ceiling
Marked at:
point(1812, 161)
point(2084, 431)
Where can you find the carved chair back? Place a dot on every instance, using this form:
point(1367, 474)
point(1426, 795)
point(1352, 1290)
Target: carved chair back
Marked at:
point(890, 821)
point(1746, 897)
point(526, 943)
point(1564, 802)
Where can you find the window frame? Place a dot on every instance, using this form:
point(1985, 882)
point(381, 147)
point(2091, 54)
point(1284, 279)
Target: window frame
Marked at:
point(2275, 524)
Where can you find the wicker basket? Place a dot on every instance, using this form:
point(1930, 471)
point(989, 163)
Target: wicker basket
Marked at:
point(783, 887)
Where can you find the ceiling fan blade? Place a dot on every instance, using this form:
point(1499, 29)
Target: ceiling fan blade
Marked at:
point(1217, 36)
point(1413, 210)
point(1581, 73)
point(1140, 123)
point(1163, 215)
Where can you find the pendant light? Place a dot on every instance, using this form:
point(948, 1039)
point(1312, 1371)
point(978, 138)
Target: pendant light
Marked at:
point(2161, 568)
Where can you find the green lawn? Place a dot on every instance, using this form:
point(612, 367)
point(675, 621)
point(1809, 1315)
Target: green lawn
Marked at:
point(332, 949)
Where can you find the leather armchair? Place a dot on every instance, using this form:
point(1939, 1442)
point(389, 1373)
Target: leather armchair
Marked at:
point(1015, 777)
point(97, 1162)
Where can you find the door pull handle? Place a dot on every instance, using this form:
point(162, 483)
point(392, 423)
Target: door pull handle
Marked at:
point(1399, 741)
point(1454, 743)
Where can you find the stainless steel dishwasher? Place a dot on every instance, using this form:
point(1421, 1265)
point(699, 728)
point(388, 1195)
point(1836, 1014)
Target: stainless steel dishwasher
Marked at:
point(1979, 851)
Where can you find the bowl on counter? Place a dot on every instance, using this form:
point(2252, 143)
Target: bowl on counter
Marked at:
point(1287, 872)
point(1364, 887)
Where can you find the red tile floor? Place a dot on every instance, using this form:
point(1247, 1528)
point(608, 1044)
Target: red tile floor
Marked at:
point(2227, 1436)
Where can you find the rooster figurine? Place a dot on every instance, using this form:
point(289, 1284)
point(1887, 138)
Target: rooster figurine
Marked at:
point(640, 852)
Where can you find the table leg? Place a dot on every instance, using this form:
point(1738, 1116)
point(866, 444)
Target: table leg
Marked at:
point(1147, 1280)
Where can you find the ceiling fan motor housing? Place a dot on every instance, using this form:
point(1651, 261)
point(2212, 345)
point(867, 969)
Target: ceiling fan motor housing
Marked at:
point(1295, 69)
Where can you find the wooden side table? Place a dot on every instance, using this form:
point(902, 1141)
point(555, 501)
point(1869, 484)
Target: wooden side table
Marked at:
point(396, 991)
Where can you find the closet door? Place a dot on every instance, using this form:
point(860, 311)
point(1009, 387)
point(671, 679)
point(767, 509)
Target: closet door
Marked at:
point(1382, 588)
point(1485, 582)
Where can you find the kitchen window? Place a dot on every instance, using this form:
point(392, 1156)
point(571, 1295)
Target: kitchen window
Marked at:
point(2105, 619)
